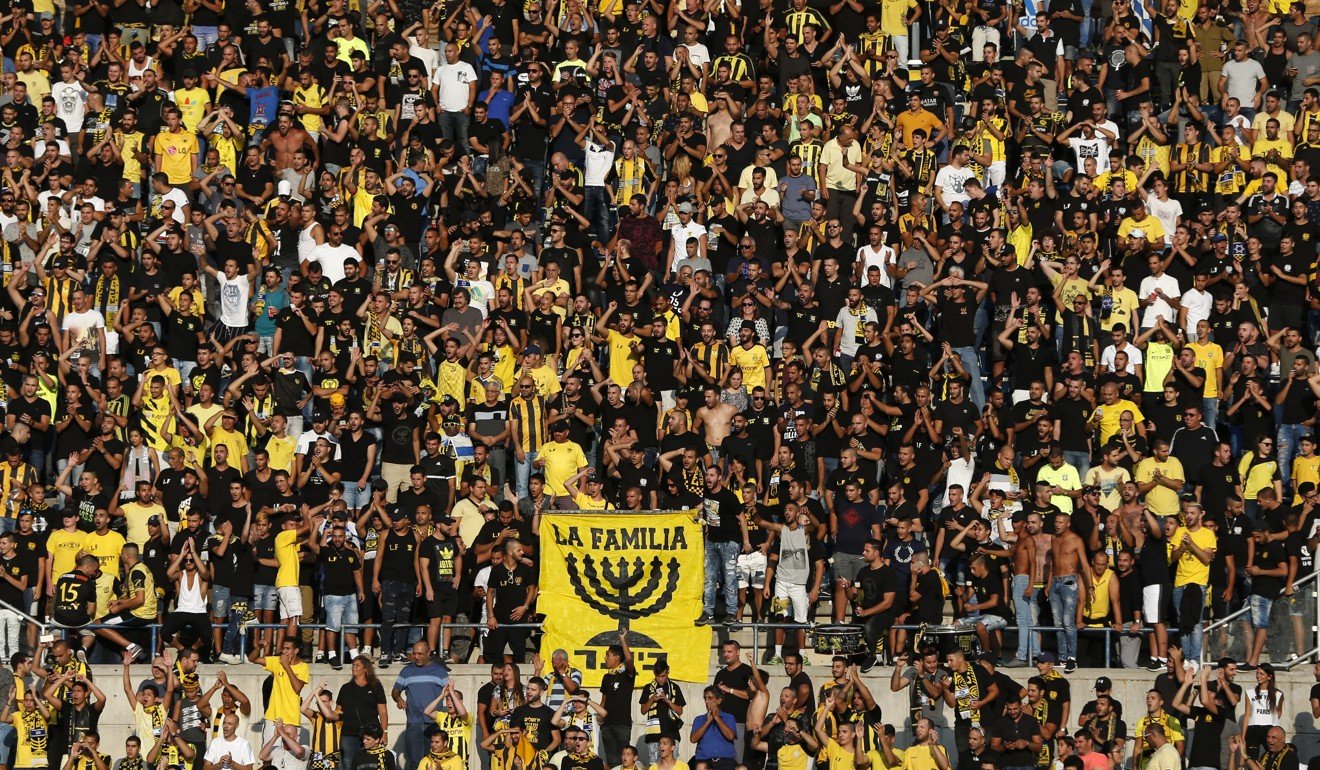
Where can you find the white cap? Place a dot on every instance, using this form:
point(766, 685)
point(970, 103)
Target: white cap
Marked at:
point(285, 187)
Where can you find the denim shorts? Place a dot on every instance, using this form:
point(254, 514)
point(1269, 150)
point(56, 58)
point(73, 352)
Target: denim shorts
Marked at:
point(266, 598)
point(220, 601)
point(1260, 611)
point(354, 498)
point(340, 610)
point(990, 621)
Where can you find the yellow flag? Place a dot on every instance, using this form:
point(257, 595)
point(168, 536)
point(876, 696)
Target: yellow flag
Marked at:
point(639, 573)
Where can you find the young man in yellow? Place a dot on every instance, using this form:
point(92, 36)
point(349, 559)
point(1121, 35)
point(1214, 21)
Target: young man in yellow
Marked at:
point(560, 459)
point(1210, 357)
point(64, 545)
point(287, 542)
point(590, 499)
point(327, 721)
point(290, 676)
point(222, 430)
point(175, 149)
point(1160, 478)
point(623, 357)
point(149, 714)
point(752, 358)
point(1192, 548)
point(193, 101)
point(31, 719)
point(155, 405)
point(440, 757)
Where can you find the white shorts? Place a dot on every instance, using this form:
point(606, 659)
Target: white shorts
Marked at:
point(290, 602)
point(751, 570)
point(1152, 603)
point(794, 596)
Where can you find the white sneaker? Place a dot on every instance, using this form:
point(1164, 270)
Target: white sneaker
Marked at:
point(365, 651)
point(233, 659)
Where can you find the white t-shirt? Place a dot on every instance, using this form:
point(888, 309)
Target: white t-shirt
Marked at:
point(1158, 308)
point(332, 259)
point(1167, 212)
point(453, 80)
point(82, 329)
point(430, 57)
point(234, 295)
point(239, 750)
point(1096, 147)
point(950, 180)
point(600, 159)
point(70, 104)
point(1133, 354)
point(1198, 305)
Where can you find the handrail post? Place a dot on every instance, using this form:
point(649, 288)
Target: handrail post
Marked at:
point(1109, 645)
point(756, 644)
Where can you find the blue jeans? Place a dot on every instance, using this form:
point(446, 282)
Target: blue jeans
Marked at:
point(356, 499)
point(1063, 602)
point(522, 471)
point(1289, 435)
point(396, 600)
point(721, 565)
point(454, 126)
point(1027, 616)
point(340, 611)
point(972, 365)
point(238, 607)
point(1210, 413)
point(349, 746)
point(414, 744)
point(1191, 642)
point(599, 212)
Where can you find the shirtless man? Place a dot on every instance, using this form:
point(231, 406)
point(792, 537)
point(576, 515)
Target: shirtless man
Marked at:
point(1067, 565)
point(1024, 588)
point(287, 139)
point(717, 419)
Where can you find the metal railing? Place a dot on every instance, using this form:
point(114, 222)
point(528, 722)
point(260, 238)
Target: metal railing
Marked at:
point(1291, 634)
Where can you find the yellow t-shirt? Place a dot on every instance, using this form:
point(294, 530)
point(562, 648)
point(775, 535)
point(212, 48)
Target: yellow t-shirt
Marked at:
point(136, 515)
point(753, 364)
point(33, 738)
point(286, 553)
point(839, 758)
point(561, 462)
point(64, 548)
point(106, 548)
point(622, 358)
point(127, 143)
point(1305, 469)
point(282, 452)
point(1210, 357)
point(1161, 500)
point(235, 440)
point(284, 703)
point(176, 151)
point(921, 758)
point(192, 104)
point(1190, 569)
point(893, 16)
point(1256, 476)
point(1109, 417)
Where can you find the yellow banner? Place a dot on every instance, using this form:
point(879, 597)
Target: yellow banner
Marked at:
point(639, 573)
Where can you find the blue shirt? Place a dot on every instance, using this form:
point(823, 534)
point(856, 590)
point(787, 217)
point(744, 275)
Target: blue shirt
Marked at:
point(423, 684)
point(275, 301)
point(499, 104)
point(713, 744)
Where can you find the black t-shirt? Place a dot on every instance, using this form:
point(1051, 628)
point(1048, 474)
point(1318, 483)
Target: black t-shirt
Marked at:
point(721, 511)
point(536, 722)
point(397, 553)
point(443, 561)
point(874, 584)
point(73, 592)
point(359, 704)
point(616, 691)
point(740, 678)
point(340, 565)
point(510, 587)
point(956, 320)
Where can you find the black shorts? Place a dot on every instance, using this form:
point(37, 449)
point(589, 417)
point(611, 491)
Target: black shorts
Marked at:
point(444, 606)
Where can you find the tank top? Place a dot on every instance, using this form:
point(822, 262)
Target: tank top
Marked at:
point(793, 568)
point(1262, 711)
point(1098, 609)
point(190, 596)
point(306, 242)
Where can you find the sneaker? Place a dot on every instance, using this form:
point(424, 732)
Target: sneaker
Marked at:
point(352, 653)
point(320, 657)
point(384, 662)
point(1158, 665)
point(705, 619)
point(1246, 667)
point(1070, 666)
point(133, 650)
point(729, 620)
point(775, 661)
point(365, 651)
point(1016, 663)
point(335, 663)
point(869, 663)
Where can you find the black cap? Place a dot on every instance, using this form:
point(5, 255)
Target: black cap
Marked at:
point(1103, 683)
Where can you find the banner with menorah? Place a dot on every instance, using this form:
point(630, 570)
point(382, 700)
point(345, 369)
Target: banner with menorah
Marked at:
point(640, 574)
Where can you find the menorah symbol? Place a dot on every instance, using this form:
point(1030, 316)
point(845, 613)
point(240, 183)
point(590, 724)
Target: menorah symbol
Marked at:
point(622, 594)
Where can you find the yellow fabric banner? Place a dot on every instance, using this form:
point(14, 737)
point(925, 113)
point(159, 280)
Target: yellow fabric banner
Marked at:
point(639, 573)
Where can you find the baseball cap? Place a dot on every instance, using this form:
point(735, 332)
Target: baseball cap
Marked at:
point(1218, 238)
point(1103, 683)
point(685, 208)
point(532, 350)
point(1046, 657)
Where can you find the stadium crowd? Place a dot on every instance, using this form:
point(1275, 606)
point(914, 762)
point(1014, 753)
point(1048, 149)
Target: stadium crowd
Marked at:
point(940, 312)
